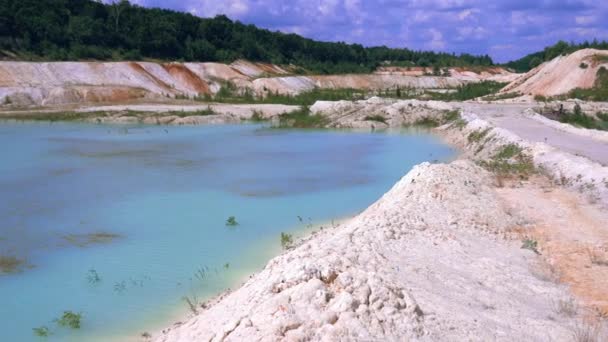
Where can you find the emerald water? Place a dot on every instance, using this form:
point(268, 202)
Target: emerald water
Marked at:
point(119, 223)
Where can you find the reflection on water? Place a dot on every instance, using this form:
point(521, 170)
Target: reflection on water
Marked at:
point(122, 223)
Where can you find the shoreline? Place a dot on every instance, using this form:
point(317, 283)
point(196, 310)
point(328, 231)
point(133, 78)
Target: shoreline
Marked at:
point(353, 315)
point(276, 300)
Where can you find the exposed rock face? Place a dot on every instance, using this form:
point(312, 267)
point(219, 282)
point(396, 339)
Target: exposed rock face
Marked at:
point(561, 74)
point(423, 263)
point(24, 83)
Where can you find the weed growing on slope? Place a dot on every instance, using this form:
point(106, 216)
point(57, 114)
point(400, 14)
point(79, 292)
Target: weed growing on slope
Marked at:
point(530, 245)
point(286, 240)
point(510, 161)
point(477, 136)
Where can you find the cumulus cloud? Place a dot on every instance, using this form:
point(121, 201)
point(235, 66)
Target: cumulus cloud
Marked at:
point(474, 26)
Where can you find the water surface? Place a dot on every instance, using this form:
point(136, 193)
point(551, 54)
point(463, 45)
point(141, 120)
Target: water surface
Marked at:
point(144, 209)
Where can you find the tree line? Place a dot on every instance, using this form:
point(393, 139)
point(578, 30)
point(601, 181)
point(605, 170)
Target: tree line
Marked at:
point(58, 30)
point(533, 60)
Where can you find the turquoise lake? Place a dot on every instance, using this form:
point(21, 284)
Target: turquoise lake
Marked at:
point(120, 223)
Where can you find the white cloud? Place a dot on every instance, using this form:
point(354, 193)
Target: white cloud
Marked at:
point(437, 42)
point(585, 20)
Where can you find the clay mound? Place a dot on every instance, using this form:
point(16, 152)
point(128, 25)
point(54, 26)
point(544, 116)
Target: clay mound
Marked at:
point(561, 75)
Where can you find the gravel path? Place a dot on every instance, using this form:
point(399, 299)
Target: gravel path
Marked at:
point(513, 118)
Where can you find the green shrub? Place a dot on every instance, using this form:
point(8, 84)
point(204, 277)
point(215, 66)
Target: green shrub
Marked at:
point(377, 118)
point(509, 151)
point(70, 320)
point(231, 221)
point(427, 122)
point(302, 119)
point(531, 245)
point(451, 115)
point(42, 331)
point(257, 116)
point(286, 240)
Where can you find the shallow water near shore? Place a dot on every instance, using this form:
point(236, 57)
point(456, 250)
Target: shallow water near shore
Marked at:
point(119, 223)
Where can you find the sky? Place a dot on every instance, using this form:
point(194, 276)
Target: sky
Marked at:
point(503, 29)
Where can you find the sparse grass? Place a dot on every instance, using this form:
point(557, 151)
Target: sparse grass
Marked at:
point(377, 118)
point(599, 91)
point(302, 118)
point(93, 277)
point(70, 320)
point(427, 122)
point(510, 161)
point(509, 151)
point(499, 97)
point(451, 115)
point(541, 98)
point(459, 123)
point(42, 331)
point(257, 116)
point(477, 136)
point(230, 94)
point(469, 91)
point(231, 221)
point(286, 240)
point(599, 59)
point(530, 245)
point(585, 332)
point(191, 302)
point(566, 307)
point(544, 271)
point(580, 119)
point(10, 264)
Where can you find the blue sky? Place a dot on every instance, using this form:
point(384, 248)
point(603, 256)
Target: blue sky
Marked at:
point(504, 29)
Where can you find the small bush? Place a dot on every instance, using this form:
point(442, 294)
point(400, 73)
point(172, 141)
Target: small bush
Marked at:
point(377, 118)
point(42, 331)
point(302, 119)
point(427, 122)
point(286, 240)
point(257, 116)
point(451, 115)
point(70, 320)
point(231, 221)
point(540, 98)
point(531, 245)
point(93, 277)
